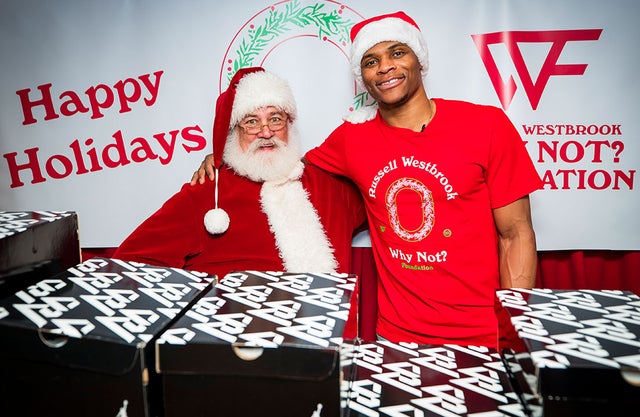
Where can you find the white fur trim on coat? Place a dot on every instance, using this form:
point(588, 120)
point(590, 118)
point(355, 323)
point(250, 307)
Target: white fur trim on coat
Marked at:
point(362, 115)
point(300, 237)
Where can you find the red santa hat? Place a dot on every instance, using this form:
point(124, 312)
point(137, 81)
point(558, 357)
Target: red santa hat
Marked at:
point(388, 27)
point(249, 89)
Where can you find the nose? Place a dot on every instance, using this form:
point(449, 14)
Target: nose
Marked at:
point(385, 65)
point(265, 132)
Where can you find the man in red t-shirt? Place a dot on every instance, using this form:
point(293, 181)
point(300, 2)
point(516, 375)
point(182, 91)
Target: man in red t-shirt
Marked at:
point(446, 186)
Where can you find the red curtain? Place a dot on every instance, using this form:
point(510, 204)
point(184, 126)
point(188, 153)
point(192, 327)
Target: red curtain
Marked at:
point(594, 270)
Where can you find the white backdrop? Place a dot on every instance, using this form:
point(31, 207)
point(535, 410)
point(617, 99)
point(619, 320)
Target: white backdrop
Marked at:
point(107, 107)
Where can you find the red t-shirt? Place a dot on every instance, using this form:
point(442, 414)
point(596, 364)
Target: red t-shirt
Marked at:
point(429, 197)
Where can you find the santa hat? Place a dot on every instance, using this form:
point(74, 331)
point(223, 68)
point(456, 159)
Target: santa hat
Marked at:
point(249, 89)
point(388, 27)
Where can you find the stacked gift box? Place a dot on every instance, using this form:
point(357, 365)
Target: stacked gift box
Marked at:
point(36, 244)
point(259, 343)
point(107, 337)
point(573, 352)
point(407, 379)
point(81, 342)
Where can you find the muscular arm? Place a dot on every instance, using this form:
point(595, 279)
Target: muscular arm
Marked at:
point(516, 244)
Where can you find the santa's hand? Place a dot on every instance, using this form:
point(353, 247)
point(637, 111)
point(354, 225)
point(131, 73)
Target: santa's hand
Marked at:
point(206, 169)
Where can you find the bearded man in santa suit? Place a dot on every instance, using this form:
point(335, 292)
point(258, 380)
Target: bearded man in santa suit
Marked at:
point(265, 210)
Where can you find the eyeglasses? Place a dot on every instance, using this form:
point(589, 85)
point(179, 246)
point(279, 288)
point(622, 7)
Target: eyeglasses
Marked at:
point(252, 126)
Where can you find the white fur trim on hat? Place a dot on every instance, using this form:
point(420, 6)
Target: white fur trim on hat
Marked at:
point(389, 29)
point(262, 89)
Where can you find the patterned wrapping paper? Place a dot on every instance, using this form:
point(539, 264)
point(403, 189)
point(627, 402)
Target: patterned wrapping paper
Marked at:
point(13, 222)
point(573, 351)
point(84, 336)
point(107, 299)
point(405, 379)
point(38, 240)
point(269, 309)
point(259, 342)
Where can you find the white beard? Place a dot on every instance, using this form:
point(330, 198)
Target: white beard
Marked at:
point(259, 165)
point(300, 237)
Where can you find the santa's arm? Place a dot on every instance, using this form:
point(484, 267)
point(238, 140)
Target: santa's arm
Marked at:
point(207, 170)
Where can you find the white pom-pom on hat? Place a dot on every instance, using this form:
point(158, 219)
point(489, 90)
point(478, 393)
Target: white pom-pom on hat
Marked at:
point(216, 221)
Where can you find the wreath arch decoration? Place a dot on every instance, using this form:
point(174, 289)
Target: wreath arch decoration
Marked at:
point(273, 26)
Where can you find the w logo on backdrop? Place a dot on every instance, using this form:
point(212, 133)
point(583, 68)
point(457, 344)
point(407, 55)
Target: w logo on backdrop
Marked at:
point(512, 40)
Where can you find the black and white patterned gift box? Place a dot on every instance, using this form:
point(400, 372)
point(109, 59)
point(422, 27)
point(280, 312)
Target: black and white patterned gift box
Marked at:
point(259, 343)
point(15, 222)
point(35, 244)
point(578, 350)
point(408, 379)
point(81, 341)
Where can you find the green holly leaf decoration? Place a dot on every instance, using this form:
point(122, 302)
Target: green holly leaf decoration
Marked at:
point(328, 24)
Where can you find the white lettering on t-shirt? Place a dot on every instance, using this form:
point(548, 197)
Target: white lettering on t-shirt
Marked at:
point(390, 166)
point(432, 169)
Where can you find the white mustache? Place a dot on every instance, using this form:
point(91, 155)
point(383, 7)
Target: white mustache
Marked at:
point(258, 143)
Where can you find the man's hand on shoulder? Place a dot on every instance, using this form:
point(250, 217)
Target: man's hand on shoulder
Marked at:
point(205, 170)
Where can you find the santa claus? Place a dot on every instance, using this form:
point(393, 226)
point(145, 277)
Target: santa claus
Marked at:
point(270, 211)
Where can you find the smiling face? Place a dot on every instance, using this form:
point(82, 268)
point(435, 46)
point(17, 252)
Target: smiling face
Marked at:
point(256, 130)
point(391, 73)
point(257, 151)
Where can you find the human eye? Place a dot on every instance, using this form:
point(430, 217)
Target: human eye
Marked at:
point(250, 122)
point(367, 62)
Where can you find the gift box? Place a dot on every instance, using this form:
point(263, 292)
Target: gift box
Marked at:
point(81, 343)
point(409, 379)
point(36, 244)
point(258, 343)
point(578, 351)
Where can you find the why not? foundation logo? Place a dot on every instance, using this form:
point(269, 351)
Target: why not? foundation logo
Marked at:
point(533, 85)
point(583, 155)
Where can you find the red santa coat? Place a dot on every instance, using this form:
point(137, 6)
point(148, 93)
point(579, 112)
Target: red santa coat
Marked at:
point(175, 235)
